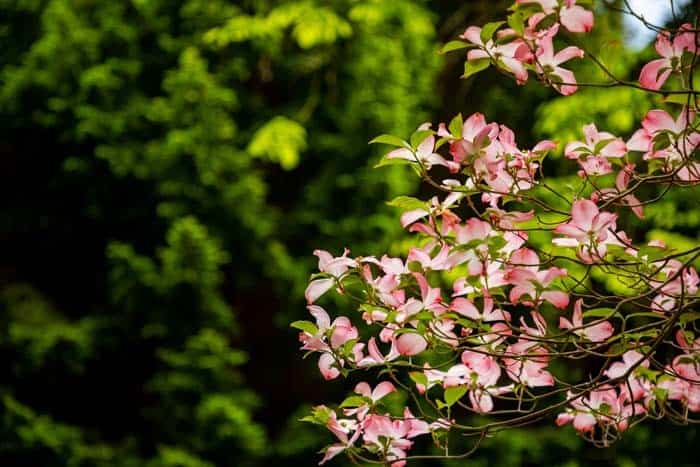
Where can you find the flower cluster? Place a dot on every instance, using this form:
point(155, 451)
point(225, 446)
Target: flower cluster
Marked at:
point(527, 45)
point(378, 433)
point(655, 73)
point(471, 319)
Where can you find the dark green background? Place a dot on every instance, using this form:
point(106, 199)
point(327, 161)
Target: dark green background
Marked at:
point(168, 168)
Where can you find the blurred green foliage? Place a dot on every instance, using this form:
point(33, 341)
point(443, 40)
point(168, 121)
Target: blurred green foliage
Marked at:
point(169, 168)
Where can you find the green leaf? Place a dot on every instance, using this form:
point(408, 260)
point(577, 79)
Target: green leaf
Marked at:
point(453, 394)
point(681, 99)
point(652, 253)
point(517, 22)
point(488, 30)
point(661, 141)
point(453, 45)
point(306, 326)
point(320, 416)
point(401, 331)
point(419, 377)
point(420, 136)
point(397, 161)
point(280, 140)
point(475, 66)
point(689, 317)
point(440, 142)
point(601, 313)
point(456, 125)
point(496, 243)
point(407, 203)
point(353, 401)
point(390, 140)
point(601, 144)
point(647, 314)
point(424, 315)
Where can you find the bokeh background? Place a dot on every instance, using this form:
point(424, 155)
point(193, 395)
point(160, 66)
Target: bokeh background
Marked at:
point(168, 167)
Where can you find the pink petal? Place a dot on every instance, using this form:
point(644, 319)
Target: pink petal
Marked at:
point(473, 125)
point(615, 148)
point(325, 363)
point(578, 313)
point(410, 344)
point(567, 77)
point(663, 45)
point(425, 148)
point(640, 141)
point(657, 120)
point(476, 54)
point(473, 35)
point(582, 214)
point(482, 403)
point(599, 332)
point(409, 217)
point(331, 452)
point(566, 242)
point(382, 390)
point(465, 307)
point(565, 323)
point(557, 298)
point(635, 205)
point(363, 389)
point(323, 321)
point(401, 153)
point(651, 76)
point(567, 54)
point(516, 67)
point(584, 422)
point(524, 257)
point(576, 19)
point(316, 288)
point(564, 418)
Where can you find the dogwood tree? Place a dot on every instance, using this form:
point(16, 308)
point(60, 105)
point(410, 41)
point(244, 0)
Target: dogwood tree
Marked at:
point(476, 317)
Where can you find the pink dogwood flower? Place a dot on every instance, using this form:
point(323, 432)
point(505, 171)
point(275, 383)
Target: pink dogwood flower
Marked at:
point(465, 307)
point(483, 374)
point(622, 181)
point(341, 329)
point(341, 428)
point(334, 267)
point(633, 388)
point(598, 332)
point(374, 395)
point(527, 365)
point(548, 62)
point(425, 154)
point(601, 406)
point(389, 436)
point(588, 230)
point(684, 381)
point(655, 73)
point(682, 141)
point(529, 281)
point(375, 357)
point(509, 56)
point(573, 17)
point(593, 154)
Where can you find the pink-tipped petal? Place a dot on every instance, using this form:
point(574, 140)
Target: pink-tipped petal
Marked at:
point(557, 298)
point(325, 365)
point(383, 389)
point(576, 19)
point(410, 344)
point(655, 73)
point(583, 213)
point(317, 288)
